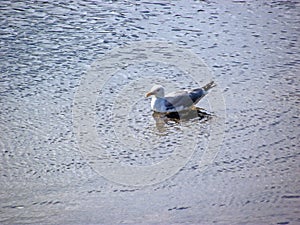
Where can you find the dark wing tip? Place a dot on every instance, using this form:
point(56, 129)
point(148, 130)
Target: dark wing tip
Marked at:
point(209, 86)
point(197, 94)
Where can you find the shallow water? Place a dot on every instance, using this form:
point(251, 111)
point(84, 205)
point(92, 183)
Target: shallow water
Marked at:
point(252, 49)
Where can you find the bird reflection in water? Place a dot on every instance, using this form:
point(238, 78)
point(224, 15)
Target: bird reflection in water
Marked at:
point(170, 118)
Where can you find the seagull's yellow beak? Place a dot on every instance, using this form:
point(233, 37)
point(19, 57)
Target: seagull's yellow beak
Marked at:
point(149, 94)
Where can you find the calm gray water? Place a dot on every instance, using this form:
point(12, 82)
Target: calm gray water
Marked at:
point(252, 48)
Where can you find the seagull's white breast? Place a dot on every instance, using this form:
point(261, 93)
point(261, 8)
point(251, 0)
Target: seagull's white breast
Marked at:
point(158, 104)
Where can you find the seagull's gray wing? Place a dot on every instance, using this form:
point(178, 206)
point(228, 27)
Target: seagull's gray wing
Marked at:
point(183, 99)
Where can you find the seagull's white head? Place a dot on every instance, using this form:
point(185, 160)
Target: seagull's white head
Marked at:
point(157, 90)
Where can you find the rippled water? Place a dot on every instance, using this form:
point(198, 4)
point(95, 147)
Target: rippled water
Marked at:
point(253, 51)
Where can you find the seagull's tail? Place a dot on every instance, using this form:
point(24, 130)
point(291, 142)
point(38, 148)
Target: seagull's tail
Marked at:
point(209, 86)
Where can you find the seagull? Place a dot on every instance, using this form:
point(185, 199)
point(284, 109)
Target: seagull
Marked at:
point(176, 101)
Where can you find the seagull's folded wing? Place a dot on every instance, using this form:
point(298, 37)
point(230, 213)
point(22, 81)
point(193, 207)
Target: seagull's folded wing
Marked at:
point(178, 100)
point(183, 99)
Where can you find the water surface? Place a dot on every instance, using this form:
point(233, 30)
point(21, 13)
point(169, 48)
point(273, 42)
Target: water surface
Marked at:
point(253, 51)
